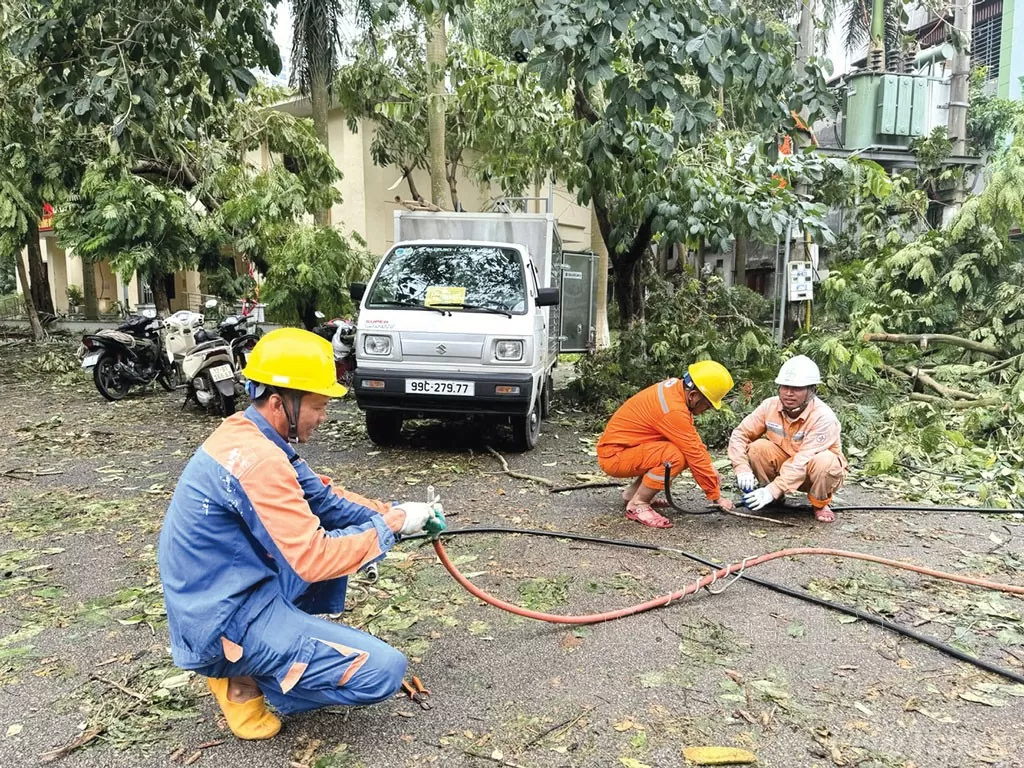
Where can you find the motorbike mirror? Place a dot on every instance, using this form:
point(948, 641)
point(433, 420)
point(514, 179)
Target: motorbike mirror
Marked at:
point(210, 303)
point(319, 315)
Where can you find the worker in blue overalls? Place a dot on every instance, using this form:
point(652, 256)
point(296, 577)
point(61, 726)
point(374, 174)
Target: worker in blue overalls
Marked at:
point(255, 542)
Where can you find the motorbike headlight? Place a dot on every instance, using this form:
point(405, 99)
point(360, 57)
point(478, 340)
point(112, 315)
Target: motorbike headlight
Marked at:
point(508, 349)
point(377, 345)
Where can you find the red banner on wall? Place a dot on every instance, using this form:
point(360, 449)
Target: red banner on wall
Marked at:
point(46, 222)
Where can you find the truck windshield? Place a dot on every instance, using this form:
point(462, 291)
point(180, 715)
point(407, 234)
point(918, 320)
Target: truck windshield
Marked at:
point(486, 276)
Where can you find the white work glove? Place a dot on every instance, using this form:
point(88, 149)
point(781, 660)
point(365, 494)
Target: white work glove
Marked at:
point(416, 515)
point(746, 481)
point(759, 498)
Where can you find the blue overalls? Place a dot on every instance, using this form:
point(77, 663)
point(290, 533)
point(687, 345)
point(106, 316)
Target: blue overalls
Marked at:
point(253, 543)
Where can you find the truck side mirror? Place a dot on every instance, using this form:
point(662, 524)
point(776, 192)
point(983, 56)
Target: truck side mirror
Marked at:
point(548, 297)
point(356, 291)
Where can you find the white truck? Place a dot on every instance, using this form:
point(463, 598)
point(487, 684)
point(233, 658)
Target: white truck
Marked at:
point(458, 319)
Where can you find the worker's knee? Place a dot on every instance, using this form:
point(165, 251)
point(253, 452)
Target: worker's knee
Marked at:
point(379, 678)
point(760, 449)
point(826, 464)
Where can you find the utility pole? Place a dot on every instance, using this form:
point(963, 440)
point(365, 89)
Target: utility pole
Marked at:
point(959, 88)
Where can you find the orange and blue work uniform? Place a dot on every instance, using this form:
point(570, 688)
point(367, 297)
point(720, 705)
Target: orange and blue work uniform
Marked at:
point(788, 455)
point(253, 543)
point(652, 428)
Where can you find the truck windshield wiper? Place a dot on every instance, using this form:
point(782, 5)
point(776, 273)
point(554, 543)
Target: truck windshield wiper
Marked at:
point(409, 305)
point(492, 310)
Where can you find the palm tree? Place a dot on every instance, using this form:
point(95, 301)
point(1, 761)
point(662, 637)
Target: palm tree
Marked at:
point(316, 49)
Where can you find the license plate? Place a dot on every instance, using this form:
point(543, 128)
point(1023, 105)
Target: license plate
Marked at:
point(90, 360)
point(221, 372)
point(439, 387)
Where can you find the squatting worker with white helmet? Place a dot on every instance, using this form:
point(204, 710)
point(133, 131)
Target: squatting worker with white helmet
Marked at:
point(790, 443)
point(255, 544)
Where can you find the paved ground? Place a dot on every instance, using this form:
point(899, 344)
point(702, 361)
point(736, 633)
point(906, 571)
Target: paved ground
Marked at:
point(83, 654)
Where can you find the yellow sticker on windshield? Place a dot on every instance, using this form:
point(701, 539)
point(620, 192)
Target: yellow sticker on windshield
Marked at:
point(445, 295)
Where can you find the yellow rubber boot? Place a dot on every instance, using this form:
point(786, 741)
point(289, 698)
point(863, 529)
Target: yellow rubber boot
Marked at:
point(249, 720)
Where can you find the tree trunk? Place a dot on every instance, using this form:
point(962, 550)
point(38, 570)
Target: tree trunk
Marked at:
point(26, 294)
point(39, 285)
point(629, 293)
point(158, 285)
point(739, 262)
point(437, 61)
point(92, 305)
point(602, 337)
point(320, 97)
point(307, 312)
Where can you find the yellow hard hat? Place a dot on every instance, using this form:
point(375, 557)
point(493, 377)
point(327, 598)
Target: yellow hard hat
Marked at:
point(294, 359)
point(712, 380)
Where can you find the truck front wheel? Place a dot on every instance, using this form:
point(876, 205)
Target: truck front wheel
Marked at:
point(384, 427)
point(526, 429)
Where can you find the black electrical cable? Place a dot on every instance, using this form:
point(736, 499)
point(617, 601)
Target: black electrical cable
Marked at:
point(840, 508)
point(780, 588)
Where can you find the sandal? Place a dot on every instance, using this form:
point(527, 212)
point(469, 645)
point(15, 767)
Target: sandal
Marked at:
point(646, 515)
point(824, 514)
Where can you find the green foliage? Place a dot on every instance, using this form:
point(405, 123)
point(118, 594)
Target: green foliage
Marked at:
point(499, 123)
point(694, 320)
point(135, 224)
point(310, 269)
point(132, 69)
point(989, 118)
point(649, 82)
point(75, 295)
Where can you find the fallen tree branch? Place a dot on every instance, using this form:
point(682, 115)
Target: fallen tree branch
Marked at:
point(83, 739)
point(519, 475)
point(949, 393)
point(985, 402)
point(598, 484)
point(993, 369)
point(121, 688)
point(924, 339)
point(492, 758)
point(734, 513)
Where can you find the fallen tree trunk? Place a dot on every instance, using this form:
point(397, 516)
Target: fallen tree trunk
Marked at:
point(924, 339)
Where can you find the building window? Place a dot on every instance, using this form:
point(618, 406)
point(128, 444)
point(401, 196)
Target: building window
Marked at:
point(985, 40)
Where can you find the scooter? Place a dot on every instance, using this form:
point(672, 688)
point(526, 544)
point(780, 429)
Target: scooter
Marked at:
point(210, 373)
point(180, 335)
point(240, 331)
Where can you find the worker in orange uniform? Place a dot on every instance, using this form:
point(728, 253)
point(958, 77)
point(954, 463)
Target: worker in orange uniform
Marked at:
point(655, 427)
point(790, 443)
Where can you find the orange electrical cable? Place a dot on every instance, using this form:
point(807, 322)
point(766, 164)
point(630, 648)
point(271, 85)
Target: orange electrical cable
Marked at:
point(706, 581)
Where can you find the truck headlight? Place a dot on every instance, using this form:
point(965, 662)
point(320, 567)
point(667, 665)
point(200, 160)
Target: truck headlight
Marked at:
point(508, 349)
point(377, 345)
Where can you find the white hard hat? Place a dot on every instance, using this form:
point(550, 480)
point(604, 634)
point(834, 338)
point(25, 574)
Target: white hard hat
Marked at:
point(799, 371)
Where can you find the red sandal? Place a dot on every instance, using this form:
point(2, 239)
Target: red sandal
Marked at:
point(645, 514)
point(824, 514)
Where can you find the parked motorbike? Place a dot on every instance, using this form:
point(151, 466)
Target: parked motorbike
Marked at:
point(131, 355)
point(240, 331)
point(342, 335)
point(180, 334)
point(210, 373)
